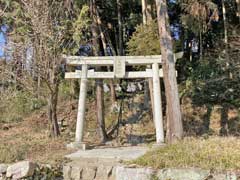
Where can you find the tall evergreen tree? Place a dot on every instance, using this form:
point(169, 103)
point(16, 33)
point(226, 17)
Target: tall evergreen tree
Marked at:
point(174, 116)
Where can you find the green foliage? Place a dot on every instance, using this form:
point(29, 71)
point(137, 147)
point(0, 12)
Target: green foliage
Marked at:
point(65, 90)
point(16, 18)
point(17, 104)
point(10, 154)
point(133, 20)
point(81, 27)
point(145, 41)
point(209, 82)
point(197, 14)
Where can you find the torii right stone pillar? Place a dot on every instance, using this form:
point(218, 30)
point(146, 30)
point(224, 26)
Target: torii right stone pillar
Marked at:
point(157, 105)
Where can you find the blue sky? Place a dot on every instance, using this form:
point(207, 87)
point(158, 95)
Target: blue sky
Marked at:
point(2, 43)
point(2, 40)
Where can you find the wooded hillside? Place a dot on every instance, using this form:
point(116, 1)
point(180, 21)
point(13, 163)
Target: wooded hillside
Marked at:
point(202, 100)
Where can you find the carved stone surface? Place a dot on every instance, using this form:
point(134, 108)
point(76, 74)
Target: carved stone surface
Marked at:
point(119, 67)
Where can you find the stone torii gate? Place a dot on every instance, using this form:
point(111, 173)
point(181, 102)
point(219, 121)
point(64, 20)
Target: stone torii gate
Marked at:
point(119, 64)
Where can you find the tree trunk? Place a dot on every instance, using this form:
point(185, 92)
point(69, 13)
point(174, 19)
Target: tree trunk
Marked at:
point(100, 110)
point(238, 9)
point(146, 18)
point(144, 11)
point(38, 84)
point(146, 89)
point(74, 88)
point(116, 40)
point(104, 43)
point(113, 92)
point(201, 46)
point(52, 112)
point(35, 69)
point(99, 83)
point(112, 86)
point(225, 24)
point(150, 84)
point(149, 11)
point(120, 27)
point(174, 116)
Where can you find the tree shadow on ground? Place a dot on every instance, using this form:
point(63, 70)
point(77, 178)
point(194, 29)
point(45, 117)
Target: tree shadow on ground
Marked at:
point(140, 139)
point(214, 102)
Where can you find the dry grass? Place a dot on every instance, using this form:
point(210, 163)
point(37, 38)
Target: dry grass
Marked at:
point(29, 140)
point(212, 153)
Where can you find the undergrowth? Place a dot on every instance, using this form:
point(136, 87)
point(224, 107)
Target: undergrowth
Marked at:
point(216, 153)
point(15, 105)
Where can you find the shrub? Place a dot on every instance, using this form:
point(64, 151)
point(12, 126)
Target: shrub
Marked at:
point(17, 104)
point(145, 41)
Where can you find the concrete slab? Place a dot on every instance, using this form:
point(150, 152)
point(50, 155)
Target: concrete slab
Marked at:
point(119, 153)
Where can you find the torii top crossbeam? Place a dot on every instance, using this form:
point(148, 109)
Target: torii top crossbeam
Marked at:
point(118, 62)
point(109, 60)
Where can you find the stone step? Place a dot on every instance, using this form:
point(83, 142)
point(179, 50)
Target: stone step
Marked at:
point(89, 171)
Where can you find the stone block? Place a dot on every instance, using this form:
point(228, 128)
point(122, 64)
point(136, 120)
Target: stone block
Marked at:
point(76, 173)
point(3, 168)
point(89, 173)
point(125, 173)
point(224, 176)
point(21, 170)
point(180, 174)
point(104, 172)
point(67, 172)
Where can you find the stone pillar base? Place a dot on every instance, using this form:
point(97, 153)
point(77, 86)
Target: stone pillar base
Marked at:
point(158, 145)
point(78, 145)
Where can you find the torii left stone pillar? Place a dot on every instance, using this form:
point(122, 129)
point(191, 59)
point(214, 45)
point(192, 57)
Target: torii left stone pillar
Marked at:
point(81, 111)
